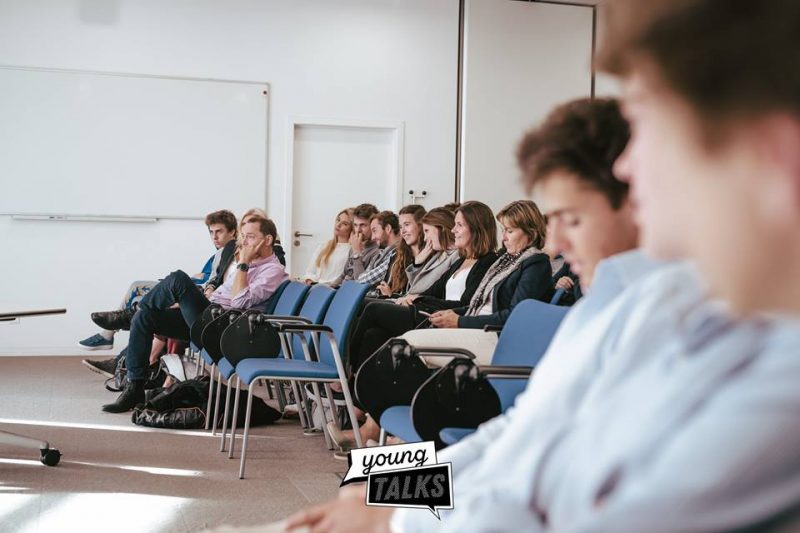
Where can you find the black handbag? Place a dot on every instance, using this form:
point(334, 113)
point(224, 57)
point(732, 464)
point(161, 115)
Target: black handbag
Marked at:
point(250, 336)
point(457, 395)
point(389, 377)
point(155, 375)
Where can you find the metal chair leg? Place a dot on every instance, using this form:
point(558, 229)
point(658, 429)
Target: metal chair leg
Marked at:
point(216, 404)
point(228, 388)
point(332, 405)
point(234, 418)
point(210, 395)
point(298, 403)
point(246, 428)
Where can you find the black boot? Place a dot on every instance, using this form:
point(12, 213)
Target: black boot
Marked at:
point(132, 394)
point(114, 320)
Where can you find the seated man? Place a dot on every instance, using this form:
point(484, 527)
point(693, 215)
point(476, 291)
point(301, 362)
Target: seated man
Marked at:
point(222, 230)
point(385, 234)
point(258, 274)
point(675, 409)
point(362, 249)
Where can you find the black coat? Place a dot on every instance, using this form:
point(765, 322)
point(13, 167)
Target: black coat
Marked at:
point(532, 279)
point(437, 291)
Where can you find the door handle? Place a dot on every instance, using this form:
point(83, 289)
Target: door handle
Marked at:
point(298, 234)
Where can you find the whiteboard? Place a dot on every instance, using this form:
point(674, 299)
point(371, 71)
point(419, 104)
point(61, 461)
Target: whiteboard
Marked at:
point(116, 145)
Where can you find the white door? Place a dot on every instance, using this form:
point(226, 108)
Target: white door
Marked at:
point(335, 167)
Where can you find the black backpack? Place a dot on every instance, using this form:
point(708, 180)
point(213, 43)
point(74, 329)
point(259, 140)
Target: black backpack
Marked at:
point(155, 376)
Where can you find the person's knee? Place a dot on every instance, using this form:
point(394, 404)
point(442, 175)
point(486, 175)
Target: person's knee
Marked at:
point(177, 279)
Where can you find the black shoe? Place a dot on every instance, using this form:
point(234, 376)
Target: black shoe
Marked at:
point(114, 320)
point(132, 395)
point(106, 367)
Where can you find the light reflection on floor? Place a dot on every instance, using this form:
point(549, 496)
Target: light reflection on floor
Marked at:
point(118, 512)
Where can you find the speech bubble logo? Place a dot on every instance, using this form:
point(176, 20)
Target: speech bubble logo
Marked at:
point(427, 487)
point(364, 461)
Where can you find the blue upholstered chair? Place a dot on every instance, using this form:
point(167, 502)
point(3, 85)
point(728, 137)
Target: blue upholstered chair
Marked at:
point(329, 341)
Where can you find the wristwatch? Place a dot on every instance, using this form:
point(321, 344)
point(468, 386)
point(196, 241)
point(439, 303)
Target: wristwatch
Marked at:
point(244, 267)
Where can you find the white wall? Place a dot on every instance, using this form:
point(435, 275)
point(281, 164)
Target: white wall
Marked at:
point(349, 59)
point(521, 59)
point(390, 60)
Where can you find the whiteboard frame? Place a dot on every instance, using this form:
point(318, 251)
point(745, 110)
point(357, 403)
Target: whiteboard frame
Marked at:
point(57, 217)
point(397, 127)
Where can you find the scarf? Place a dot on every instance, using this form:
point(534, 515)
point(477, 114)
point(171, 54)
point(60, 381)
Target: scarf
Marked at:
point(500, 270)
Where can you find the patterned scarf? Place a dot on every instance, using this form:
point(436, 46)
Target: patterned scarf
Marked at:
point(499, 271)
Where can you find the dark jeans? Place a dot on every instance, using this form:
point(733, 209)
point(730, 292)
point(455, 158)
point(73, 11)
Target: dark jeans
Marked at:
point(154, 316)
point(379, 322)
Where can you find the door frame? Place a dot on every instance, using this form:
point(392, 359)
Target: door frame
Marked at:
point(397, 127)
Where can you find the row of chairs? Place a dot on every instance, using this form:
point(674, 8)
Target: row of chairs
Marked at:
point(301, 337)
point(414, 402)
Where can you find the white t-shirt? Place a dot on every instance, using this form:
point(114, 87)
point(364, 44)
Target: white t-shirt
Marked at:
point(456, 285)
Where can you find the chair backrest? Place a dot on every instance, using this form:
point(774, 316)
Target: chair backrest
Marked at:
point(314, 308)
point(291, 298)
point(523, 341)
point(268, 307)
point(339, 317)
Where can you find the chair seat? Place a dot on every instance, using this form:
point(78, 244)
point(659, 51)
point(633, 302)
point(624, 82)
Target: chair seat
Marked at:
point(250, 369)
point(206, 357)
point(397, 421)
point(225, 368)
point(452, 435)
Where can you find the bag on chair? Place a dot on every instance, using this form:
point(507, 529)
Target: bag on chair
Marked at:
point(390, 377)
point(457, 395)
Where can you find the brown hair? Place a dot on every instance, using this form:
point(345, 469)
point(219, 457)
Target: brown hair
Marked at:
point(525, 215)
point(265, 226)
point(387, 218)
point(443, 220)
point(405, 255)
point(365, 211)
point(727, 58)
point(582, 137)
point(330, 246)
point(452, 207)
point(480, 220)
point(224, 217)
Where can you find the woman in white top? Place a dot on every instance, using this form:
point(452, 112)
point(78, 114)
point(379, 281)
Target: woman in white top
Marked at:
point(329, 259)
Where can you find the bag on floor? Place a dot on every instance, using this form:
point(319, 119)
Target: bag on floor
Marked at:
point(155, 376)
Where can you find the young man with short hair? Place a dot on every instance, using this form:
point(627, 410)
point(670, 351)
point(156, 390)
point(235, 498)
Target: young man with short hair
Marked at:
point(257, 275)
point(385, 233)
point(362, 249)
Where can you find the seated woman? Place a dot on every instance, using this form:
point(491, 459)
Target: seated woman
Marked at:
point(408, 247)
point(522, 272)
point(327, 263)
point(474, 239)
point(436, 256)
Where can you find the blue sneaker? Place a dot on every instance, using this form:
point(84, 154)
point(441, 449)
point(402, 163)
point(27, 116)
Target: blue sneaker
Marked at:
point(96, 342)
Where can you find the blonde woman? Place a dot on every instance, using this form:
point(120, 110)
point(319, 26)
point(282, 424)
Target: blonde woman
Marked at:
point(328, 262)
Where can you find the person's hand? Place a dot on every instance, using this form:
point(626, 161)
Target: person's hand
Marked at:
point(347, 513)
point(425, 253)
point(407, 300)
point(444, 319)
point(357, 242)
point(308, 281)
point(250, 251)
point(209, 291)
point(565, 282)
point(384, 288)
